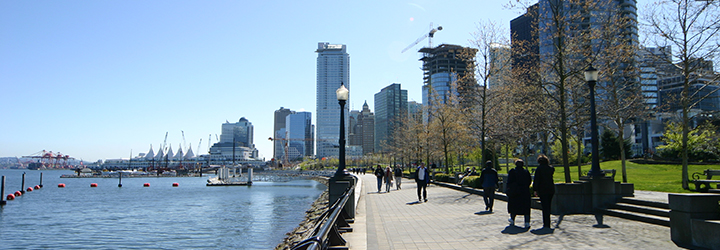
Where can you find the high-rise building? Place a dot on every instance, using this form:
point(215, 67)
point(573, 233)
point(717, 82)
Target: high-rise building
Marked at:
point(300, 135)
point(390, 111)
point(448, 70)
point(279, 132)
point(333, 70)
point(362, 130)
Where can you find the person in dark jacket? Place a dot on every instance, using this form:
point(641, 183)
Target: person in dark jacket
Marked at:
point(518, 192)
point(398, 176)
point(379, 173)
point(489, 181)
point(388, 179)
point(422, 178)
point(544, 187)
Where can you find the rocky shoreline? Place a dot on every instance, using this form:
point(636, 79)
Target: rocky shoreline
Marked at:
point(305, 229)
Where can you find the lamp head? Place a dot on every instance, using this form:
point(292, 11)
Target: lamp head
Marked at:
point(342, 93)
point(591, 74)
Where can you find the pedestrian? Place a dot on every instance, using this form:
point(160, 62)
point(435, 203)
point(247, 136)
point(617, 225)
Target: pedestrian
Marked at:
point(544, 187)
point(422, 178)
point(518, 192)
point(489, 182)
point(398, 176)
point(388, 179)
point(379, 175)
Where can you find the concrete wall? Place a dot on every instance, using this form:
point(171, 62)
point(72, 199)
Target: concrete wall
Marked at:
point(694, 220)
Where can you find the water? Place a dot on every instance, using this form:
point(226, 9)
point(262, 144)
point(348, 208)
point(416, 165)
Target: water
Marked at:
point(191, 216)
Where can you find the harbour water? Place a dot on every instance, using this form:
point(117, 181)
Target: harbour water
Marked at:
point(190, 216)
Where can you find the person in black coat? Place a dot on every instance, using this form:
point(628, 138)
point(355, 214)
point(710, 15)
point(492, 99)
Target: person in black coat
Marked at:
point(518, 192)
point(544, 187)
point(379, 173)
point(489, 181)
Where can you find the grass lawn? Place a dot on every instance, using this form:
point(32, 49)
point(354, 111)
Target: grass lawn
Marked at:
point(650, 177)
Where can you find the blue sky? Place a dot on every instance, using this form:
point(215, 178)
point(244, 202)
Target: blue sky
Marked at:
point(97, 79)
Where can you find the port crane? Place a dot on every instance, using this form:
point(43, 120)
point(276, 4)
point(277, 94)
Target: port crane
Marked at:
point(428, 35)
point(48, 159)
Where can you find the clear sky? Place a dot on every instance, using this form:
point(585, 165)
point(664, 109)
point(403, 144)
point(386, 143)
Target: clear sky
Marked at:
point(99, 79)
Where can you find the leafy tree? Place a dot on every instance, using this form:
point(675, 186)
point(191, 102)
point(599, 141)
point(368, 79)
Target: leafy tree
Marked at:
point(702, 142)
point(692, 28)
point(573, 149)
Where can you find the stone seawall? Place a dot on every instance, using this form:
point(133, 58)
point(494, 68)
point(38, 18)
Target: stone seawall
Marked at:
point(305, 228)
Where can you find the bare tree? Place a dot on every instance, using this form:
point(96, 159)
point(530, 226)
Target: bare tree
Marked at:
point(691, 27)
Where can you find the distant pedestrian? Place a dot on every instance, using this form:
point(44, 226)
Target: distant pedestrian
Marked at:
point(544, 187)
point(489, 182)
point(518, 192)
point(379, 175)
point(422, 178)
point(388, 179)
point(398, 177)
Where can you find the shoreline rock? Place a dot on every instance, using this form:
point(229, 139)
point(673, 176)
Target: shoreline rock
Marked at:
point(305, 229)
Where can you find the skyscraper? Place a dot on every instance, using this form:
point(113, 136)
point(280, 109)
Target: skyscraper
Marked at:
point(299, 135)
point(279, 132)
point(333, 69)
point(390, 111)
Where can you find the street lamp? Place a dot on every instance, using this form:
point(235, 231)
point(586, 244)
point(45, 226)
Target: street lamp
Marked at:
point(342, 96)
point(591, 76)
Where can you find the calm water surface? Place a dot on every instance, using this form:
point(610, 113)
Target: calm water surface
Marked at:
point(191, 216)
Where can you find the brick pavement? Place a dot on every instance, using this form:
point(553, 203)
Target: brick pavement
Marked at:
point(453, 219)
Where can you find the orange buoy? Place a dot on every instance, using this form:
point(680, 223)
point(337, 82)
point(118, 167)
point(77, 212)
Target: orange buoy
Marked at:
point(18, 193)
point(37, 186)
point(146, 185)
point(61, 185)
point(10, 197)
point(175, 184)
point(93, 184)
point(29, 189)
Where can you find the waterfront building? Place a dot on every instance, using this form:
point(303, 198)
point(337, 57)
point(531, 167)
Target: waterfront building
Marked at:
point(390, 111)
point(236, 141)
point(333, 70)
point(279, 132)
point(362, 130)
point(300, 135)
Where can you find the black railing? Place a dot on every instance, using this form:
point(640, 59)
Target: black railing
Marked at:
point(332, 223)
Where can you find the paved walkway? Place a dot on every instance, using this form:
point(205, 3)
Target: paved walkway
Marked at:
point(453, 219)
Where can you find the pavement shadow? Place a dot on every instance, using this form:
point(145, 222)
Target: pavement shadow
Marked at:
point(514, 230)
point(413, 203)
point(543, 231)
point(484, 212)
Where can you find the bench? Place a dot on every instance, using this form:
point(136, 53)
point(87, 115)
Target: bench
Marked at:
point(708, 173)
point(605, 172)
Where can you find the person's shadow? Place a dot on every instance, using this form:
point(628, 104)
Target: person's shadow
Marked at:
point(514, 230)
point(484, 212)
point(543, 231)
point(413, 203)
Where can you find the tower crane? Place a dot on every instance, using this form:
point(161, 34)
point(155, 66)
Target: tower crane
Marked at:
point(430, 34)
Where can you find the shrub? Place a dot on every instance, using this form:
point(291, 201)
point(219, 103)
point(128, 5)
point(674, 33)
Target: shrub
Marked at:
point(472, 181)
point(442, 177)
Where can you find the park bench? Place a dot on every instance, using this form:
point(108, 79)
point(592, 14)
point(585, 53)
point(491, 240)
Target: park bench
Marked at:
point(708, 173)
point(606, 172)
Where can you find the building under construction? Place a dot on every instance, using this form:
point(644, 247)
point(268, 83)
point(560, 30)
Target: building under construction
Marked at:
point(448, 70)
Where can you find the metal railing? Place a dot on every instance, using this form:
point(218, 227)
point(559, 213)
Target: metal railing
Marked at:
point(332, 223)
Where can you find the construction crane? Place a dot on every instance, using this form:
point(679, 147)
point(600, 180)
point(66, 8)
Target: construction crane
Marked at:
point(430, 34)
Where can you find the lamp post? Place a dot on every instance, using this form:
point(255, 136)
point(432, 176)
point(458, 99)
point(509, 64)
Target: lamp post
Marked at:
point(591, 76)
point(342, 96)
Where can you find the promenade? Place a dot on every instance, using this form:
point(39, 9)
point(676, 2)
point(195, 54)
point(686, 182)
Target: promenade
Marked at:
point(453, 219)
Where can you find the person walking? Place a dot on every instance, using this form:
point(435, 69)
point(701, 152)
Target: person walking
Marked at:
point(398, 177)
point(388, 179)
point(518, 192)
point(379, 173)
point(422, 178)
point(544, 187)
point(489, 182)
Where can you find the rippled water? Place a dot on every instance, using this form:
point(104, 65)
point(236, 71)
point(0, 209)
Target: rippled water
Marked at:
point(191, 216)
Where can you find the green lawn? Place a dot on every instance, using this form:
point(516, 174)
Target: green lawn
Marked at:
point(650, 177)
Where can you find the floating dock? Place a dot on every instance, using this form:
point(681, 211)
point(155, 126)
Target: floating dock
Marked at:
point(225, 179)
